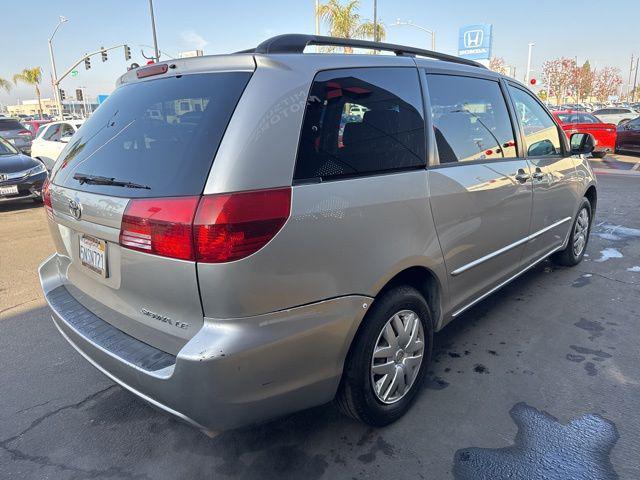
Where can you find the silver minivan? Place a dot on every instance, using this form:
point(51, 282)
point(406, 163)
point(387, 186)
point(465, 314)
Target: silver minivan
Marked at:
point(242, 236)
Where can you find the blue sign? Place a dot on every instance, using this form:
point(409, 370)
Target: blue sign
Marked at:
point(475, 42)
point(102, 98)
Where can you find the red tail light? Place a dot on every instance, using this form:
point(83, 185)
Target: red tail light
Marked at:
point(233, 226)
point(46, 198)
point(210, 229)
point(162, 226)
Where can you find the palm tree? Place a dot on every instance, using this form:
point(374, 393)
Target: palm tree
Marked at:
point(31, 76)
point(5, 84)
point(344, 22)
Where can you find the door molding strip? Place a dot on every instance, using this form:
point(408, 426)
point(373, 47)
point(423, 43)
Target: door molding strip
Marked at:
point(511, 246)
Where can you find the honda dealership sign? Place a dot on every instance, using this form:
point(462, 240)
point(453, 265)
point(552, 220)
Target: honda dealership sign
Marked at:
point(475, 42)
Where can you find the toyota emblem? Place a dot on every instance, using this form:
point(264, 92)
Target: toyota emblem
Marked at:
point(75, 208)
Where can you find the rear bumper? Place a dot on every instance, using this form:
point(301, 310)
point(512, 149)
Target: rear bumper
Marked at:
point(233, 372)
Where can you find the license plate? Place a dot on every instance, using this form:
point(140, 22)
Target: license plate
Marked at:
point(93, 254)
point(11, 190)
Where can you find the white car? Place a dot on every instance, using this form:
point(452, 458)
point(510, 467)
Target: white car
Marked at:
point(615, 115)
point(51, 139)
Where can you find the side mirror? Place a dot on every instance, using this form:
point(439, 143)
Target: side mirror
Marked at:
point(582, 144)
point(65, 139)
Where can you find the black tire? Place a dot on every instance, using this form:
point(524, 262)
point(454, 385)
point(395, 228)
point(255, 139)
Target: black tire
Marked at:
point(568, 256)
point(356, 397)
point(599, 154)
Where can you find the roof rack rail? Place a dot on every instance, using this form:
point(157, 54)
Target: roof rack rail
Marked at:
point(296, 43)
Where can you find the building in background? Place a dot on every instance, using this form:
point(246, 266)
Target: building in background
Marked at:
point(49, 108)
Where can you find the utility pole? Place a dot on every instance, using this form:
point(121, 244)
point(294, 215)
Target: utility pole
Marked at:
point(526, 76)
point(629, 82)
point(635, 81)
point(54, 75)
point(153, 28)
point(317, 18)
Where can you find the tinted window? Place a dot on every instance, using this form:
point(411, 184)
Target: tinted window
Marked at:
point(362, 121)
point(470, 119)
point(67, 130)
point(541, 134)
point(10, 125)
point(161, 133)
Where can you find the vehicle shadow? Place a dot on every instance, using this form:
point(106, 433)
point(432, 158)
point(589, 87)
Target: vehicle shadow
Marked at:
point(142, 440)
point(19, 205)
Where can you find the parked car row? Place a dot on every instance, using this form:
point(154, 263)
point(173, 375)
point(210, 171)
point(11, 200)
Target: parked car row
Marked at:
point(609, 137)
point(21, 177)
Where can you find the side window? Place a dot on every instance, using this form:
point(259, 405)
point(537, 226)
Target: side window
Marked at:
point(67, 130)
point(360, 122)
point(470, 119)
point(541, 134)
point(53, 133)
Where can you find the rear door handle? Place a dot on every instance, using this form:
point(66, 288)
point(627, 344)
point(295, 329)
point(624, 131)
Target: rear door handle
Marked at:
point(522, 176)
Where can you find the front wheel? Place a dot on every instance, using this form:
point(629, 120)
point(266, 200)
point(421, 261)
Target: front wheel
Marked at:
point(387, 361)
point(574, 252)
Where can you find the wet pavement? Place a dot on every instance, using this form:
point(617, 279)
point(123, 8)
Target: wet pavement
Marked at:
point(539, 381)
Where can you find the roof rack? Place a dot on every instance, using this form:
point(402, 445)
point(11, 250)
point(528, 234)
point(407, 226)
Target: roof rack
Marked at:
point(296, 43)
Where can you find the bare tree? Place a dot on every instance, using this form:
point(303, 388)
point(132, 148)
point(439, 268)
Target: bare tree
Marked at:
point(606, 84)
point(497, 64)
point(559, 75)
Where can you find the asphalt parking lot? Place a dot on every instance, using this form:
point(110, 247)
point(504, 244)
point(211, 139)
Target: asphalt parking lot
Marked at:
point(537, 381)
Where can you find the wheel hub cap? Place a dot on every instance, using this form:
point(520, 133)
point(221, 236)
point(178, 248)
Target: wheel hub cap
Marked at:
point(581, 232)
point(397, 356)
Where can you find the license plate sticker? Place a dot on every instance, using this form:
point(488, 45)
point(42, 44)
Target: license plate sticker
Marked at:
point(93, 254)
point(11, 190)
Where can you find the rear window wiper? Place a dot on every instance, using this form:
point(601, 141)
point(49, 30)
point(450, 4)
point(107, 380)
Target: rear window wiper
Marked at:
point(98, 180)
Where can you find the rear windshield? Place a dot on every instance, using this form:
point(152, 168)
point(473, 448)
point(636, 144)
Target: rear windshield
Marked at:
point(162, 134)
point(10, 125)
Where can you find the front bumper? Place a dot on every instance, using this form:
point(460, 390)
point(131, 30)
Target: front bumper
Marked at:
point(28, 188)
point(233, 372)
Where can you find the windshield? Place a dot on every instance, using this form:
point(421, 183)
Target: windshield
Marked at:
point(6, 148)
point(161, 133)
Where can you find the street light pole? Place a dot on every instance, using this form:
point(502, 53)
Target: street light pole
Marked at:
point(54, 75)
point(153, 28)
point(375, 20)
point(411, 24)
point(635, 81)
point(526, 77)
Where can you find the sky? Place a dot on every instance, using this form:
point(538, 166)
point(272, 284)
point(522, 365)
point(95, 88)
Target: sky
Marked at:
point(586, 29)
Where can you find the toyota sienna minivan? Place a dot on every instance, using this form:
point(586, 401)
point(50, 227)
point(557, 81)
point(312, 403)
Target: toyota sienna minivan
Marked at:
point(234, 244)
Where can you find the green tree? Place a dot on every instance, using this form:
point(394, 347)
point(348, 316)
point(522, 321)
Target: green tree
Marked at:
point(345, 22)
point(5, 84)
point(31, 76)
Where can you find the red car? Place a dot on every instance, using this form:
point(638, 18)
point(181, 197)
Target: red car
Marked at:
point(34, 125)
point(605, 134)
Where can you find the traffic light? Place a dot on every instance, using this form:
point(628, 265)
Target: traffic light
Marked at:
point(87, 63)
point(79, 94)
point(127, 53)
point(103, 52)
point(63, 96)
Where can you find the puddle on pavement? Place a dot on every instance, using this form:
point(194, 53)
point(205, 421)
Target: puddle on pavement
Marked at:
point(609, 231)
point(609, 253)
point(544, 449)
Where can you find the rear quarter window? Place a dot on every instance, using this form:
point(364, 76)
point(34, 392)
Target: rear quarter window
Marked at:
point(161, 133)
point(362, 122)
point(6, 125)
